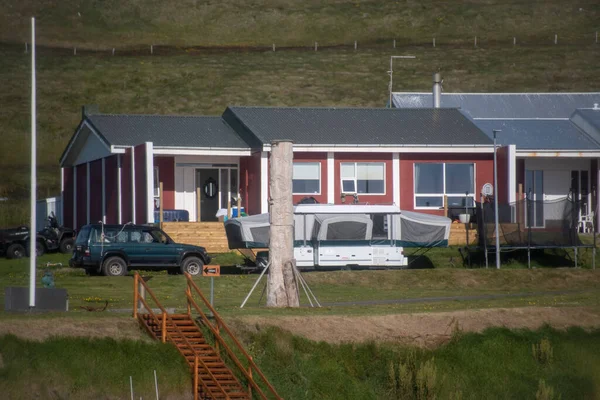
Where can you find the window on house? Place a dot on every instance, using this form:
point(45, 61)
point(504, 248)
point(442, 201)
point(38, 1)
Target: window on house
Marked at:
point(434, 180)
point(365, 177)
point(306, 178)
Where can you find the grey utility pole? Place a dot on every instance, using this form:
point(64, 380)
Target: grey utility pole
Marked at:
point(496, 202)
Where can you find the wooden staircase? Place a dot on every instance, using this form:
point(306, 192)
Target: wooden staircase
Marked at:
point(217, 370)
point(210, 235)
point(458, 234)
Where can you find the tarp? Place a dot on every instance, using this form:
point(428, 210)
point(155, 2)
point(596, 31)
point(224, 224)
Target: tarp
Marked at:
point(248, 232)
point(373, 224)
point(423, 230)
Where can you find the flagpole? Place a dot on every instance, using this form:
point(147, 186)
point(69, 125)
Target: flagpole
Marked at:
point(32, 224)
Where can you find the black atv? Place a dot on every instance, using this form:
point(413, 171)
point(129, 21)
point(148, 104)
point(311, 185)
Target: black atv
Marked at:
point(13, 241)
point(55, 237)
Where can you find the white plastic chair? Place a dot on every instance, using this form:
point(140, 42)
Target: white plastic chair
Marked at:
point(586, 223)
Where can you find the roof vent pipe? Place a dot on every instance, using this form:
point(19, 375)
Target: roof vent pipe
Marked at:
point(437, 90)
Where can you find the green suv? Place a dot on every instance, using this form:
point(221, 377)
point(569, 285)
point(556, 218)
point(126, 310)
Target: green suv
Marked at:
point(112, 250)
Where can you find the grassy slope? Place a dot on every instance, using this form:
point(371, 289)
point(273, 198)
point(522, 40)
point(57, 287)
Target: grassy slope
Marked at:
point(114, 23)
point(82, 368)
point(497, 364)
point(206, 82)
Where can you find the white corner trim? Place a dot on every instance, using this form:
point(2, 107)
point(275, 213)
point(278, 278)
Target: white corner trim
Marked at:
point(330, 178)
point(133, 184)
point(120, 200)
point(74, 197)
point(264, 182)
point(104, 190)
point(396, 178)
point(88, 191)
point(512, 173)
point(149, 183)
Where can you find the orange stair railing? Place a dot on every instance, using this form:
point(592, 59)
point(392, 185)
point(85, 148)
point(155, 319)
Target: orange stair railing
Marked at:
point(165, 334)
point(251, 371)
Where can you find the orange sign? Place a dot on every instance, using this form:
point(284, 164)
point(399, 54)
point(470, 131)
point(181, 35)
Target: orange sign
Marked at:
point(211, 270)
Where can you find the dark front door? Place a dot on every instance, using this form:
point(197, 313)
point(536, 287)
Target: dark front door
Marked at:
point(207, 180)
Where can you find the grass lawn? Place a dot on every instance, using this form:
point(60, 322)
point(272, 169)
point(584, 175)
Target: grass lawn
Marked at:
point(538, 286)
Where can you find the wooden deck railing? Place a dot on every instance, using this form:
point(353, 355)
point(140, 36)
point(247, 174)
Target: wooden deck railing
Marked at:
point(166, 335)
point(251, 371)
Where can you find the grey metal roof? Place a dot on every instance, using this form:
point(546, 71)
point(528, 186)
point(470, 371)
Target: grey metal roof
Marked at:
point(504, 105)
point(539, 134)
point(355, 126)
point(166, 131)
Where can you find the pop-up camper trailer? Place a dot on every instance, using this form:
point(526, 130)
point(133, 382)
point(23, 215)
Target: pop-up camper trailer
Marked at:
point(328, 235)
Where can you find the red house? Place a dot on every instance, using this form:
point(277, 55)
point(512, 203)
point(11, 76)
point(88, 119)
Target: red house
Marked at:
point(410, 157)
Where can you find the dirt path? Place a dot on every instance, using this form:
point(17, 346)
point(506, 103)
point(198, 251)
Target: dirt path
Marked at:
point(425, 329)
point(421, 329)
point(43, 328)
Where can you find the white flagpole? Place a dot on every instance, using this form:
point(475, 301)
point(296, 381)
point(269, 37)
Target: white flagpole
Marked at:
point(32, 225)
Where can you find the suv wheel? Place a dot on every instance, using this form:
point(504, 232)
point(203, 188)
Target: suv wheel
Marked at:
point(114, 266)
point(193, 266)
point(15, 250)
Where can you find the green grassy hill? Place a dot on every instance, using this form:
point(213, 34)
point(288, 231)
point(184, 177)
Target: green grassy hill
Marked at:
point(114, 23)
point(200, 80)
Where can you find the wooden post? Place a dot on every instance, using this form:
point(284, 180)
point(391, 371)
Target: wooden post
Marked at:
point(250, 380)
point(135, 294)
point(239, 206)
point(520, 213)
point(198, 204)
point(445, 206)
point(218, 329)
point(164, 327)
point(228, 208)
point(160, 205)
point(196, 377)
point(281, 286)
point(188, 292)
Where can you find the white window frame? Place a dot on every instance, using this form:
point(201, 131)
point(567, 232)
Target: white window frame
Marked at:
point(355, 179)
point(416, 195)
point(318, 163)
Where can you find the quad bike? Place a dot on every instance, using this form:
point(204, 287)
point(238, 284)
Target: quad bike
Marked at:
point(14, 242)
point(55, 237)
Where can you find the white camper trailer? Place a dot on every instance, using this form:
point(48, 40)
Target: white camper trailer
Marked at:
point(327, 235)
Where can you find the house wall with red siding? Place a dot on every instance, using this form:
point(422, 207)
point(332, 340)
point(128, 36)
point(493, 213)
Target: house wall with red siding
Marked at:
point(166, 175)
point(502, 159)
point(96, 191)
point(111, 193)
point(386, 198)
point(67, 196)
point(126, 205)
point(141, 195)
point(321, 158)
point(483, 174)
point(252, 178)
point(81, 196)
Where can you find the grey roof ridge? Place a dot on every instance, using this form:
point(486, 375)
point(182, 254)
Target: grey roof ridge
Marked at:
point(154, 115)
point(340, 108)
point(500, 93)
point(519, 119)
point(244, 126)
